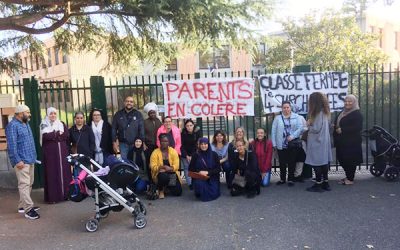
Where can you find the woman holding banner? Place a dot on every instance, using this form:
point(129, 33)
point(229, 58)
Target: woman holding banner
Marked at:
point(319, 153)
point(173, 134)
point(286, 130)
point(347, 137)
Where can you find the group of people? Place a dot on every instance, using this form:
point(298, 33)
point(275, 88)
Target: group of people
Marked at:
point(161, 149)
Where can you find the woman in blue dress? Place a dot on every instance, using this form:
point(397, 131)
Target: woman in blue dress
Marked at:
point(205, 163)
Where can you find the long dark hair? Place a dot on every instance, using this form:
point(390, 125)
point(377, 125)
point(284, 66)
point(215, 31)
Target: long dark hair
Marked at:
point(316, 103)
point(219, 132)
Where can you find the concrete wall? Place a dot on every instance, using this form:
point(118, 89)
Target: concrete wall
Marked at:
point(7, 173)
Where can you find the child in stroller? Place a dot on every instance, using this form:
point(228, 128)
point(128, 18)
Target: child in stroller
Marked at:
point(386, 152)
point(111, 191)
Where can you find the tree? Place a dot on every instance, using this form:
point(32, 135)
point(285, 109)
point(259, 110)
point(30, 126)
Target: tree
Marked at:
point(333, 41)
point(128, 30)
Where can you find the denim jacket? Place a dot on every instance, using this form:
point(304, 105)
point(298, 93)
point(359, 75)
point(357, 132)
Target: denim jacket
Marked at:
point(296, 129)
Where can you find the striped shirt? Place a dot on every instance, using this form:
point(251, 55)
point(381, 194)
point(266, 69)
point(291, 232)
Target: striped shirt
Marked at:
point(20, 143)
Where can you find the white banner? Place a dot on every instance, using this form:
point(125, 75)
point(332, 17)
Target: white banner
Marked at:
point(297, 87)
point(209, 97)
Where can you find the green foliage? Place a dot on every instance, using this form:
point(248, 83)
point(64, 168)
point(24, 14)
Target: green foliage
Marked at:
point(330, 42)
point(135, 30)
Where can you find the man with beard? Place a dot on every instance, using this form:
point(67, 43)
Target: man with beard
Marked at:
point(22, 153)
point(127, 125)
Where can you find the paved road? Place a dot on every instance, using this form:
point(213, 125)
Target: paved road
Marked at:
point(349, 217)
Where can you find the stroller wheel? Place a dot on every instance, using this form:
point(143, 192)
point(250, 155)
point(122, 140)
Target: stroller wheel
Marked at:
point(375, 170)
point(92, 225)
point(392, 173)
point(104, 215)
point(140, 221)
point(141, 208)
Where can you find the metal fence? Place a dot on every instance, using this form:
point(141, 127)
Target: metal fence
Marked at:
point(377, 87)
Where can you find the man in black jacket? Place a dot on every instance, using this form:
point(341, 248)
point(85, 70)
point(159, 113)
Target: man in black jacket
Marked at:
point(126, 126)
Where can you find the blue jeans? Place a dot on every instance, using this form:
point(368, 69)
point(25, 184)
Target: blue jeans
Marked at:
point(185, 165)
point(124, 148)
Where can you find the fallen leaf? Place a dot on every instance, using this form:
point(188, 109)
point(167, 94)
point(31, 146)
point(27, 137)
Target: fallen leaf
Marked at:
point(372, 196)
point(261, 218)
point(370, 246)
point(307, 247)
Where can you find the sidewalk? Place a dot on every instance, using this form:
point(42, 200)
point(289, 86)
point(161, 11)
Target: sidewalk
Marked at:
point(282, 217)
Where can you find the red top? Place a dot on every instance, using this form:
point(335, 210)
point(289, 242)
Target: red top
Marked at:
point(263, 150)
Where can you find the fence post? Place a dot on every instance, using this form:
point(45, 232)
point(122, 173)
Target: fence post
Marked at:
point(31, 93)
point(98, 94)
point(199, 120)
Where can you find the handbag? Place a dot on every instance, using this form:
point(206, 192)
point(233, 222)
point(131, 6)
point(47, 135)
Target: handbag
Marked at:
point(196, 175)
point(295, 143)
point(172, 180)
point(239, 180)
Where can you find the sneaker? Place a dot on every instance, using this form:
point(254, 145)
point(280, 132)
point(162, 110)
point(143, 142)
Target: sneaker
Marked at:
point(32, 215)
point(21, 209)
point(325, 186)
point(161, 195)
point(315, 188)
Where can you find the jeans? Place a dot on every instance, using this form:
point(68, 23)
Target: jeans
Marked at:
point(124, 148)
point(185, 165)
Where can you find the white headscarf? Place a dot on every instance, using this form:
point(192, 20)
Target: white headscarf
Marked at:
point(151, 106)
point(46, 126)
point(345, 111)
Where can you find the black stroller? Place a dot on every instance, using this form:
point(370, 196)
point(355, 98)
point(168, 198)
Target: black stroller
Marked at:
point(386, 152)
point(111, 192)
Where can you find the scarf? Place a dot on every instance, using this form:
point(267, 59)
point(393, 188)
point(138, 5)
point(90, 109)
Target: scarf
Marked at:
point(97, 131)
point(348, 111)
point(47, 126)
point(205, 158)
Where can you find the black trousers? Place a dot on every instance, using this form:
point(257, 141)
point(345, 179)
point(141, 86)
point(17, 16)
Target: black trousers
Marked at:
point(321, 173)
point(163, 180)
point(287, 159)
point(350, 171)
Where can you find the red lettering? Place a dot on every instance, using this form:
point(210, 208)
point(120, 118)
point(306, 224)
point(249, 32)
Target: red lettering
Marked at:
point(194, 108)
point(218, 109)
point(243, 89)
point(229, 109)
point(170, 109)
point(180, 109)
point(199, 88)
point(224, 92)
point(171, 90)
point(210, 91)
point(185, 89)
point(205, 109)
point(240, 108)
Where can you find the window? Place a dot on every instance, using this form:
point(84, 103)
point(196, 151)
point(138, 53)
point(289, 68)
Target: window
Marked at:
point(173, 65)
point(56, 55)
point(380, 37)
point(214, 58)
point(64, 58)
point(48, 57)
point(259, 54)
point(31, 62)
point(22, 66)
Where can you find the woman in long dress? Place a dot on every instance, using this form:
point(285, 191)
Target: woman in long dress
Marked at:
point(54, 137)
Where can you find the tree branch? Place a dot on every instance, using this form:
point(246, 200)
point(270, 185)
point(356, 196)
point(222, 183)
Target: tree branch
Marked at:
point(34, 31)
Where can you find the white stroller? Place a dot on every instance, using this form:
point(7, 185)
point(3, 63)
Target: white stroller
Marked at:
point(111, 192)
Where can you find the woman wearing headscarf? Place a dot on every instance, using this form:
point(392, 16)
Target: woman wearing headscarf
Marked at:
point(190, 136)
point(347, 138)
point(140, 157)
point(57, 171)
point(151, 126)
point(319, 153)
point(206, 163)
point(102, 135)
point(164, 164)
point(247, 178)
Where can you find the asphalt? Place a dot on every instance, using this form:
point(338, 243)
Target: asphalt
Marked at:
point(362, 216)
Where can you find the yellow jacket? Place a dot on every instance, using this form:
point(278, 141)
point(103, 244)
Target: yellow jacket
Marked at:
point(156, 161)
